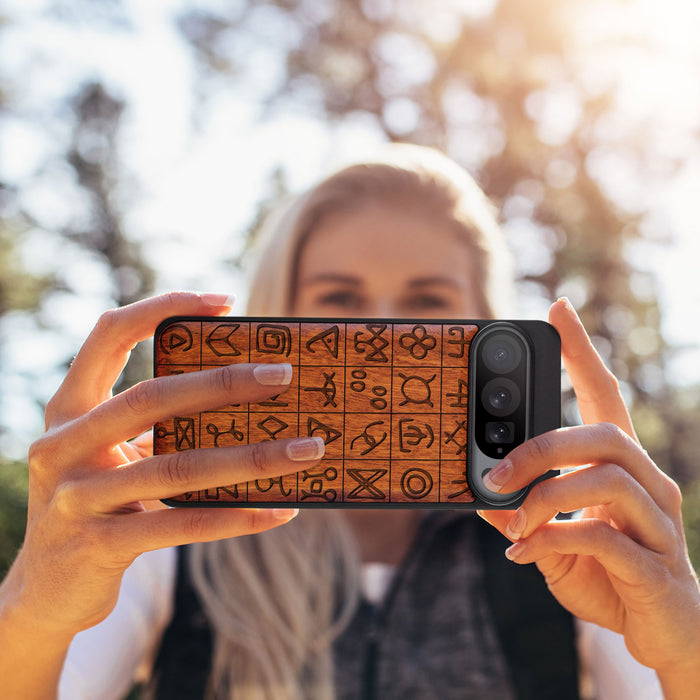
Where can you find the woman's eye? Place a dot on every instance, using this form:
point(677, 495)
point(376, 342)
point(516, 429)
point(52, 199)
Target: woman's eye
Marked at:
point(427, 302)
point(341, 299)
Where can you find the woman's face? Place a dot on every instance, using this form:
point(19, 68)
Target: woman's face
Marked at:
point(385, 261)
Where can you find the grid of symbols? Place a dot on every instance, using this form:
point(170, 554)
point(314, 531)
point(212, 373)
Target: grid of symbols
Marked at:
point(389, 400)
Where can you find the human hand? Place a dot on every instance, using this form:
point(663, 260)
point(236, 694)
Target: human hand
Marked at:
point(87, 519)
point(624, 563)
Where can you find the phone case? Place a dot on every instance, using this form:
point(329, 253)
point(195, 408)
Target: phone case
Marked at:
point(391, 398)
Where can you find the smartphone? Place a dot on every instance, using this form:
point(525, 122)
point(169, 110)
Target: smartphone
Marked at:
point(413, 413)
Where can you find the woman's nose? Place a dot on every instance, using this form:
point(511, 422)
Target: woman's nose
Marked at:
point(381, 308)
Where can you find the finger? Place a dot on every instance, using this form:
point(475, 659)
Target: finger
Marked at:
point(596, 388)
point(138, 448)
point(618, 554)
point(606, 486)
point(579, 445)
point(131, 452)
point(497, 518)
point(102, 357)
point(143, 444)
point(138, 408)
point(142, 532)
point(166, 476)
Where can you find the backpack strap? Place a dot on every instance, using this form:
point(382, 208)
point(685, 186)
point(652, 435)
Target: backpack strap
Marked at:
point(536, 633)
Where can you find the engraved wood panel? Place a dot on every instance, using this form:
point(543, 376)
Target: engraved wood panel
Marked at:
point(389, 400)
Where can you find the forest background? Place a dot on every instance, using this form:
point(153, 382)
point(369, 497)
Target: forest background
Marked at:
point(141, 142)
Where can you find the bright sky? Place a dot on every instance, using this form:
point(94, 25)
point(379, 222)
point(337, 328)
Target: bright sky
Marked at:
point(203, 185)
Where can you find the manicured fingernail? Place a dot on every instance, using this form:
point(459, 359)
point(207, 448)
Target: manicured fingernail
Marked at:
point(499, 476)
point(517, 525)
point(274, 374)
point(515, 550)
point(305, 448)
point(218, 299)
point(569, 306)
point(285, 514)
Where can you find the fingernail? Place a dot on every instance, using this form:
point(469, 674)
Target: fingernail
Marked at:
point(273, 374)
point(499, 476)
point(569, 306)
point(285, 514)
point(517, 525)
point(218, 300)
point(305, 448)
point(515, 550)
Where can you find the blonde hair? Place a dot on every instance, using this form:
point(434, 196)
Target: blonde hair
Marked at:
point(277, 600)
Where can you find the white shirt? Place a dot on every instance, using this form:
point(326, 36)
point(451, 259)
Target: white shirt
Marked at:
point(104, 661)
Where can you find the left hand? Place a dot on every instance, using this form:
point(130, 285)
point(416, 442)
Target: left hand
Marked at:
point(624, 564)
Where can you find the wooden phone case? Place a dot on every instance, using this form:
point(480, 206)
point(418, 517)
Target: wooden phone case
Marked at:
point(389, 397)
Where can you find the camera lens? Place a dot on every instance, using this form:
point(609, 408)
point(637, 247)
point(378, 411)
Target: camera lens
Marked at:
point(502, 353)
point(500, 396)
point(499, 432)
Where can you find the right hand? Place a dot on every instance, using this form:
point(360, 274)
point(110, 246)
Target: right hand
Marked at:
point(88, 513)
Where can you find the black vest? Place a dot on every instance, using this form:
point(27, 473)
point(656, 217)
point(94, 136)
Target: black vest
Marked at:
point(534, 634)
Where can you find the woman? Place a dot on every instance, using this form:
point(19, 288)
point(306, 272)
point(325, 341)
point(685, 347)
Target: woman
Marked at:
point(275, 603)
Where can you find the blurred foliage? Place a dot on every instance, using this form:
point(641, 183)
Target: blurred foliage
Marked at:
point(14, 482)
point(93, 154)
point(504, 91)
point(19, 290)
point(691, 519)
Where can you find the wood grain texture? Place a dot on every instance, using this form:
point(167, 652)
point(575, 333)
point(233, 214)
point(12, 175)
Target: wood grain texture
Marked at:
point(389, 399)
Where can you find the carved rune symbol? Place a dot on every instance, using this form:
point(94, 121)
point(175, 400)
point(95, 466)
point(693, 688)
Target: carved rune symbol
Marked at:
point(272, 426)
point(461, 341)
point(375, 342)
point(416, 483)
point(460, 395)
point(183, 431)
point(315, 488)
point(370, 440)
point(379, 391)
point(272, 339)
point(278, 480)
point(215, 494)
point(465, 484)
point(452, 437)
point(313, 425)
point(273, 402)
point(366, 483)
point(419, 393)
point(176, 337)
point(328, 389)
point(329, 338)
point(220, 340)
point(418, 342)
point(412, 435)
point(213, 429)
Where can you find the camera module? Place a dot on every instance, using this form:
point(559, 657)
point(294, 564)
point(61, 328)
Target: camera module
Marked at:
point(505, 358)
point(500, 386)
